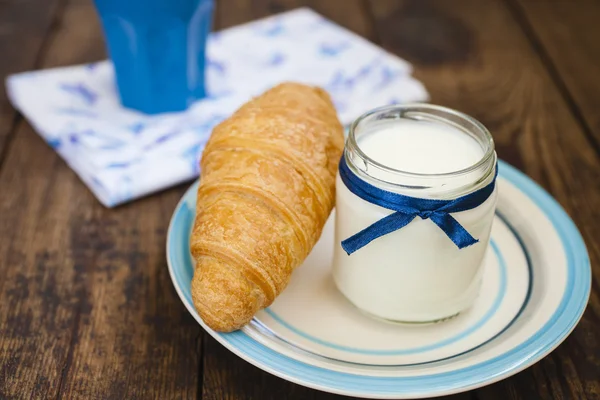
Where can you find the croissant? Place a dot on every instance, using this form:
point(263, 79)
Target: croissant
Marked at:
point(267, 188)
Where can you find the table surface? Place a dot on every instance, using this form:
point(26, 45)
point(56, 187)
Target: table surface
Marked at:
point(87, 309)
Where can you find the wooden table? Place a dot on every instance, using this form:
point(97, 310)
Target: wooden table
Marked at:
point(87, 309)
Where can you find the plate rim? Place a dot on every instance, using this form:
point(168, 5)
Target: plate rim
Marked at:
point(521, 356)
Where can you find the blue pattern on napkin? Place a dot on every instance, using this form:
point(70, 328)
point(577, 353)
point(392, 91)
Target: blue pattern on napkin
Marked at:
point(122, 154)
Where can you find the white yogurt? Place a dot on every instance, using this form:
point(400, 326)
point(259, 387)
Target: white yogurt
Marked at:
point(415, 274)
point(421, 147)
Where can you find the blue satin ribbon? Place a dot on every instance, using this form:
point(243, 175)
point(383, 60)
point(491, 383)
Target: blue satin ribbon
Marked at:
point(407, 208)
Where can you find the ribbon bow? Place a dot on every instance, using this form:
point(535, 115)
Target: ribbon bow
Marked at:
point(407, 208)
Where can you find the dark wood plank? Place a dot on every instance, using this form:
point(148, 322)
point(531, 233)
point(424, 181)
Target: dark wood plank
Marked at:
point(353, 15)
point(25, 25)
point(86, 306)
point(87, 309)
point(474, 56)
point(566, 33)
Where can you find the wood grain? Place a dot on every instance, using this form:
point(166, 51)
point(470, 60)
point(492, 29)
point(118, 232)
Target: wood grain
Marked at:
point(24, 28)
point(87, 309)
point(475, 57)
point(565, 34)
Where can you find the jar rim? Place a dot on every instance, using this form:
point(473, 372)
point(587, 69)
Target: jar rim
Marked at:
point(485, 159)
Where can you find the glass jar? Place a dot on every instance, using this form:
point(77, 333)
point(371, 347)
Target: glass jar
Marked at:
point(415, 273)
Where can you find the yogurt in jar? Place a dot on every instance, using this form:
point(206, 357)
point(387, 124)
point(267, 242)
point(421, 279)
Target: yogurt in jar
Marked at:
point(416, 273)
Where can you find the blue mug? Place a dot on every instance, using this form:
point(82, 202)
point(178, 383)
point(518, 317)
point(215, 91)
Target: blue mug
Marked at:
point(158, 50)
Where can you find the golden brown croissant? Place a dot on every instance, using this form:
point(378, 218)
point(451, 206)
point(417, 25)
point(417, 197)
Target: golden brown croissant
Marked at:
point(266, 189)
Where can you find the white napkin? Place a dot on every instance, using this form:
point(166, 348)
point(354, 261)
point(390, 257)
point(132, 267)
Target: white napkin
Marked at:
point(122, 154)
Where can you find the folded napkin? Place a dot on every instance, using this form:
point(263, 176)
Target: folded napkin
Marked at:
point(122, 154)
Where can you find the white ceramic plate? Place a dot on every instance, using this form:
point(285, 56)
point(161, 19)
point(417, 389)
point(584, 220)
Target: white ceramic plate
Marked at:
point(535, 288)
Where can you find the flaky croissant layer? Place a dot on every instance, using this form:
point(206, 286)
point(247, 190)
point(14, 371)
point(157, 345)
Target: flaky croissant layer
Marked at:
point(267, 187)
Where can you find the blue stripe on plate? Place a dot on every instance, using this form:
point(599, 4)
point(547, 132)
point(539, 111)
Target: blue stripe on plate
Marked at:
point(515, 318)
point(530, 351)
point(415, 350)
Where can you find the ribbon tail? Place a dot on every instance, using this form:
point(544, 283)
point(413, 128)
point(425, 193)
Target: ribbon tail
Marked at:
point(386, 225)
point(453, 230)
